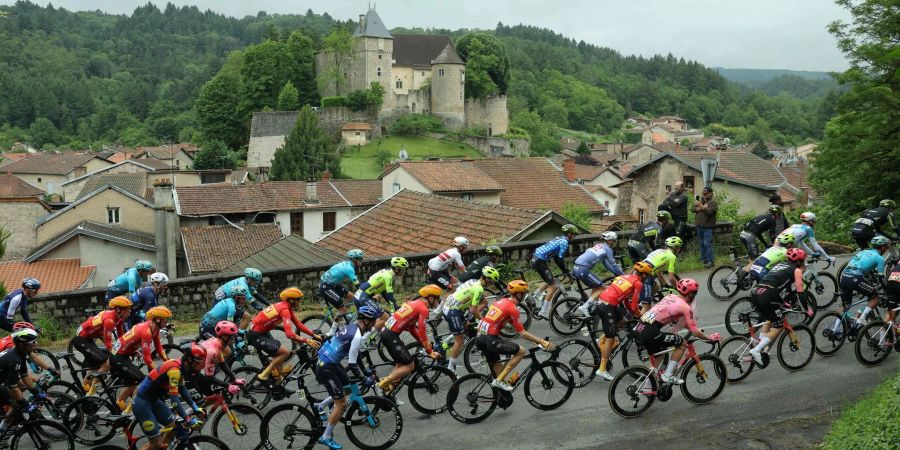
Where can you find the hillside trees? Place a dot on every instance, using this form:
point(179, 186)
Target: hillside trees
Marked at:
point(307, 151)
point(487, 64)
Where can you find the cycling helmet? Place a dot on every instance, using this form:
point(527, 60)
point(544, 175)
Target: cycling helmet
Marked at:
point(291, 293)
point(238, 291)
point(808, 217)
point(197, 352)
point(31, 283)
point(460, 241)
point(643, 267)
point(796, 254)
point(431, 290)
point(143, 265)
point(159, 312)
point(159, 278)
point(664, 215)
point(570, 229)
point(493, 250)
point(25, 336)
point(878, 241)
point(22, 326)
point(687, 286)
point(399, 262)
point(674, 241)
point(367, 312)
point(775, 209)
point(355, 254)
point(120, 302)
point(517, 287)
point(253, 274)
point(888, 203)
point(610, 236)
point(786, 238)
point(491, 273)
point(226, 328)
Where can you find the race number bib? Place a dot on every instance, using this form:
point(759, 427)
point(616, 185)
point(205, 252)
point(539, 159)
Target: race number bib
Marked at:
point(270, 311)
point(864, 221)
point(483, 327)
point(404, 311)
point(391, 321)
point(648, 317)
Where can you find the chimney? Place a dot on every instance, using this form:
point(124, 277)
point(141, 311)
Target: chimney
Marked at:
point(167, 234)
point(362, 23)
point(677, 146)
point(326, 175)
point(312, 192)
point(80, 171)
point(569, 169)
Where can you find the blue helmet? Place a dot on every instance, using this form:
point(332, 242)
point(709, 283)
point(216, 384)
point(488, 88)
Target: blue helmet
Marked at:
point(367, 312)
point(143, 265)
point(253, 274)
point(355, 254)
point(31, 283)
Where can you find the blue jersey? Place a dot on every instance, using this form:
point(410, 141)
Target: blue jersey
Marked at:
point(224, 291)
point(555, 248)
point(865, 261)
point(340, 272)
point(126, 283)
point(344, 344)
point(227, 309)
point(597, 253)
point(144, 299)
point(14, 301)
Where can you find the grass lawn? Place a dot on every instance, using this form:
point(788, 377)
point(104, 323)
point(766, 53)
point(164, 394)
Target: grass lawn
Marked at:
point(361, 164)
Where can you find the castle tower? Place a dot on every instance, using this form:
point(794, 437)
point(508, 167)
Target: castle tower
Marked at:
point(448, 79)
point(374, 54)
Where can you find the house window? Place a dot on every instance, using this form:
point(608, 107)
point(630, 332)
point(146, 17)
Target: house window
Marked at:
point(641, 214)
point(688, 183)
point(39, 179)
point(440, 72)
point(668, 188)
point(606, 203)
point(112, 215)
point(379, 71)
point(357, 133)
point(468, 197)
point(379, 56)
point(399, 84)
point(297, 223)
point(423, 73)
point(396, 188)
point(329, 220)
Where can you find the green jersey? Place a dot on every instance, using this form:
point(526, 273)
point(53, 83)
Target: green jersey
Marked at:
point(381, 282)
point(467, 295)
point(774, 255)
point(661, 260)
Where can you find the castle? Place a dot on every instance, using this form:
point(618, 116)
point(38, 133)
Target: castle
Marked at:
point(420, 74)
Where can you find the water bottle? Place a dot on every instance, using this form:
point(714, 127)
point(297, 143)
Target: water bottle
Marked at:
point(513, 378)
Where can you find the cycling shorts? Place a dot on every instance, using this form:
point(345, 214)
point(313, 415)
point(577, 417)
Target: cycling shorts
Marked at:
point(646, 295)
point(207, 330)
point(862, 234)
point(122, 368)
point(363, 299)
point(637, 250)
point(654, 340)
point(441, 278)
point(609, 317)
point(495, 346)
point(333, 377)
point(892, 298)
point(151, 415)
point(590, 279)
point(758, 269)
point(768, 303)
point(332, 294)
point(456, 320)
point(94, 356)
point(749, 241)
point(263, 342)
point(851, 283)
point(395, 347)
point(543, 269)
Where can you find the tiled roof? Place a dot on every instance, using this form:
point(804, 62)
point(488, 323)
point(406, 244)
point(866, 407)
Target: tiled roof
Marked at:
point(740, 166)
point(14, 156)
point(119, 235)
point(374, 27)
point(614, 223)
point(165, 151)
point(418, 50)
point(450, 176)
point(596, 187)
point(398, 225)
point(222, 198)
point(131, 182)
point(215, 248)
point(120, 156)
point(359, 192)
point(534, 183)
point(356, 126)
point(797, 176)
point(54, 274)
point(292, 251)
point(657, 138)
point(155, 164)
point(586, 172)
point(448, 56)
point(48, 163)
point(604, 157)
point(13, 187)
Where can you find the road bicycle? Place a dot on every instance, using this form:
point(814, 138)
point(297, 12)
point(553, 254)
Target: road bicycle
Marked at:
point(426, 384)
point(635, 389)
point(565, 319)
point(795, 348)
point(166, 334)
point(30, 430)
point(743, 311)
point(260, 393)
point(876, 339)
point(548, 385)
point(893, 255)
point(727, 280)
point(184, 438)
point(835, 327)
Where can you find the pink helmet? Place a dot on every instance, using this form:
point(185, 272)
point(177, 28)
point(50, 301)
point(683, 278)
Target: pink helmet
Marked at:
point(226, 328)
point(687, 286)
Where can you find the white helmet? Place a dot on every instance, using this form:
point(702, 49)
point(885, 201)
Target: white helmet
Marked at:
point(808, 217)
point(610, 236)
point(159, 278)
point(461, 241)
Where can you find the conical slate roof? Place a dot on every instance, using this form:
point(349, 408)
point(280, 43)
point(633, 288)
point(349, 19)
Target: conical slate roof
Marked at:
point(448, 56)
point(372, 27)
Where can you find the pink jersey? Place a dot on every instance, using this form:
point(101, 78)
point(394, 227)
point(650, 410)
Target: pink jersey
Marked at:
point(671, 309)
point(213, 348)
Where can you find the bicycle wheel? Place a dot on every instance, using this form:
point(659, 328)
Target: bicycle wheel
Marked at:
point(704, 381)
point(87, 419)
point(42, 435)
point(874, 343)
point(290, 425)
point(794, 355)
point(549, 386)
point(723, 282)
point(634, 354)
point(830, 333)
point(202, 442)
point(65, 387)
point(55, 408)
point(582, 358)
point(735, 353)
point(797, 314)
point(562, 319)
point(378, 429)
point(427, 389)
point(509, 331)
point(471, 399)
point(739, 314)
point(473, 359)
point(632, 391)
point(244, 432)
point(256, 392)
point(77, 357)
point(48, 357)
point(318, 323)
point(826, 289)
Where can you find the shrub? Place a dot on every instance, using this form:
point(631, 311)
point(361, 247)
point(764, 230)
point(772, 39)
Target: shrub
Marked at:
point(333, 101)
point(871, 423)
point(416, 124)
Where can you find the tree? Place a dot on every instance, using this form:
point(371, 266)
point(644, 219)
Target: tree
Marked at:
point(762, 150)
point(583, 148)
point(218, 110)
point(264, 71)
point(338, 47)
point(856, 162)
point(289, 98)
point(43, 132)
point(487, 64)
point(577, 214)
point(213, 155)
point(555, 111)
point(307, 151)
point(303, 72)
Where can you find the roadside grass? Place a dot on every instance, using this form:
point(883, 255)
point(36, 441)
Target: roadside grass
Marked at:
point(362, 162)
point(872, 423)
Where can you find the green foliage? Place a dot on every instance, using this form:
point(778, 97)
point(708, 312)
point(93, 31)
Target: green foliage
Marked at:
point(218, 109)
point(577, 214)
point(366, 100)
point(871, 423)
point(214, 155)
point(382, 157)
point(362, 164)
point(583, 148)
point(43, 132)
point(375, 95)
point(762, 150)
point(288, 98)
point(544, 140)
point(334, 101)
point(4, 238)
point(307, 152)
point(487, 64)
point(417, 124)
point(338, 47)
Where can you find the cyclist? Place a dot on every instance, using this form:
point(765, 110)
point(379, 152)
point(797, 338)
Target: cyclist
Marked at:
point(768, 297)
point(773, 255)
point(584, 266)
point(216, 347)
point(18, 300)
point(330, 374)
point(661, 260)
point(892, 291)
point(803, 232)
point(871, 222)
point(332, 287)
point(854, 279)
point(614, 304)
point(7, 343)
point(670, 310)
point(160, 394)
point(490, 258)
point(756, 228)
point(106, 326)
point(381, 283)
point(251, 281)
point(14, 373)
point(128, 282)
point(146, 297)
point(281, 313)
point(647, 237)
point(143, 337)
point(500, 313)
point(468, 297)
point(556, 248)
point(232, 309)
point(439, 266)
point(410, 317)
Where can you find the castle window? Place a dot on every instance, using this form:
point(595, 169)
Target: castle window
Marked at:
point(379, 56)
point(440, 72)
point(423, 73)
point(399, 84)
point(379, 71)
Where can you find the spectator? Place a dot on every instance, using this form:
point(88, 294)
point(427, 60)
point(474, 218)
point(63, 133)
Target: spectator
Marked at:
point(705, 211)
point(676, 203)
point(781, 222)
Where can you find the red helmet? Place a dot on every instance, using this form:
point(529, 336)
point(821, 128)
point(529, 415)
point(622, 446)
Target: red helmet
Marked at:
point(687, 286)
point(226, 328)
point(796, 254)
point(197, 353)
point(22, 325)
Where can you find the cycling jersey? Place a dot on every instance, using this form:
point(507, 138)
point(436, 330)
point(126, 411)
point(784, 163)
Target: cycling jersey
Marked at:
point(803, 233)
point(661, 260)
point(773, 255)
point(224, 290)
point(227, 309)
point(214, 349)
point(468, 294)
point(144, 299)
point(344, 344)
point(864, 262)
point(411, 317)
point(873, 219)
point(382, 282)
point(164, 381)
point(759, 225)
point(600, 252)
point(126, 283)
point(279, 313)
point(6, 342)
point(782, 274)
point(340, 272)
point(500, 313)
point(102, 325)
point(140, 336)
point(555, 248)
point(671, 309)
point(443, 261)
point(892, 287)
point(12, 367)
point(620, 289)
point(15, 300)
point(648, 233)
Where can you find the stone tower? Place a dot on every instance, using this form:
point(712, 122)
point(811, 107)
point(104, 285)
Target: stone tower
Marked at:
point(448, 78)
point(374, 54)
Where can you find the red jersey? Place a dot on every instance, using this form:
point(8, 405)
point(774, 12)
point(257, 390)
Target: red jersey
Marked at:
point(6, 343)
point(276, 314)
point(619, 290)
point(103, 325)
point(411, 317)
point(140, 337)
point(501, 312)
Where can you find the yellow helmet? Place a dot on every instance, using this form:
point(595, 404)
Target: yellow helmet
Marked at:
point(120, 302)
point(431, 290)
point(643, 267)
point(291, 293)
point(517, 287)
point(159, 312)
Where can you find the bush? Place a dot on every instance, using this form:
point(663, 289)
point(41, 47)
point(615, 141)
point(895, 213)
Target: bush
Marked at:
point(333, 101)
point(417, 124)
point(871, 423)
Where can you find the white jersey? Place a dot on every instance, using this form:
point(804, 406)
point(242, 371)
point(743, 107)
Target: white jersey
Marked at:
point(442, 262)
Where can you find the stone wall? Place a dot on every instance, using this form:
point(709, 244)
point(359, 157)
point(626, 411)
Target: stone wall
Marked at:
point(490, 113)
point(496, 147)
point(20, 217)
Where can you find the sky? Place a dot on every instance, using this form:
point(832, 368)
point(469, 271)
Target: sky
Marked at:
point(759, 34)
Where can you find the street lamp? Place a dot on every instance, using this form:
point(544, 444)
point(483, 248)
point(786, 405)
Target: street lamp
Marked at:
point(708, 168)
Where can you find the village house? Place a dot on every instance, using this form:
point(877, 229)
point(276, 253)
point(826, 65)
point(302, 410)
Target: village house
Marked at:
point(179, 156)
point(211, 249)
point(589, 178)
point(46, 171)
point(355, 133)
point(20, 206)
point(673, 123)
